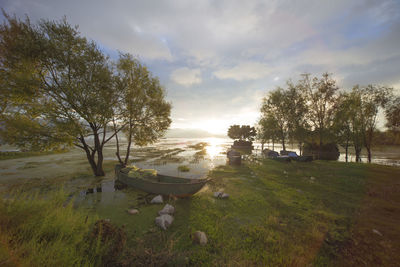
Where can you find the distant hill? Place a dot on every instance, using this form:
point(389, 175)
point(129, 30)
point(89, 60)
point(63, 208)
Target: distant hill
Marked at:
point(190, 133)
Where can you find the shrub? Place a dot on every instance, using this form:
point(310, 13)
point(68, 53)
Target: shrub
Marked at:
point(183, 168)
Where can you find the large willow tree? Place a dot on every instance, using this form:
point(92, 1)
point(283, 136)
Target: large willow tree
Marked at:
point(65, 91)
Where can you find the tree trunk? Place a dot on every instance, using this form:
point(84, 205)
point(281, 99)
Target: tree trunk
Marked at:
point(262, 147)
point(90, 158)
point(99, 149)
point(273, 144)
point(128, 149)
point(320, 144)
point(369, 153)
point(358, 152)
point(117, 144)
point(347, 151)
point(283, 143)
point(300, 148)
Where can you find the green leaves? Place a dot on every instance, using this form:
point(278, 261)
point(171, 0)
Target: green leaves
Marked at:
point(59, 88)
point(244, 132)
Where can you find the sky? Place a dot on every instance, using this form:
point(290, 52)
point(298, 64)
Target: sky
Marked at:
point(218, 59)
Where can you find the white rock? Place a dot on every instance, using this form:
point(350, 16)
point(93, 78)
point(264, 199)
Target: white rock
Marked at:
point(168, 209)
point(164, 221)
point(224, 195)
point(133, 211)
point(200, 238)
point(157, 200)
point(218, 194)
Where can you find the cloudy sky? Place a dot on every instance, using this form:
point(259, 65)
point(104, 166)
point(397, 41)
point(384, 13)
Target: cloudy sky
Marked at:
point(217, 59)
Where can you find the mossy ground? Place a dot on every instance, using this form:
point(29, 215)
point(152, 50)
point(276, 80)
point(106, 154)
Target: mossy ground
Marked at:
point(16, 155)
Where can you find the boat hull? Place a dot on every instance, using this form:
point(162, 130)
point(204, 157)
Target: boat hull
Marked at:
point(162, 184)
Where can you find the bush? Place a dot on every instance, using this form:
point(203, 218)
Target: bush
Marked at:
point(329, 151)
point(183, 168)
point(242, 143)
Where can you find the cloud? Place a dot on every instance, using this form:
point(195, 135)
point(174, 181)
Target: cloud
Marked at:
point(244, 71)
point(186, 77)
point(236, 49)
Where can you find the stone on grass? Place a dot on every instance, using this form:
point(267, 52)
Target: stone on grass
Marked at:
point(157, 200)
point(164, 221)
point(217, 194)
point(168, 209)
point(224, 195)
point(133, 211)
point(220, 195)
point(200, 238)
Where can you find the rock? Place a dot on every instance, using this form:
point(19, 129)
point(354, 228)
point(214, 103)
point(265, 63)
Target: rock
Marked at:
point(376, 232)
point(157, 200)
point(164, 221)
point(217, 194)
point(168, 209)
point(200, 238)
point(220, 195)
point(133, 211)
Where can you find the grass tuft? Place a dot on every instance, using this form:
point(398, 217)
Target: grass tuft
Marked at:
point(37, 230)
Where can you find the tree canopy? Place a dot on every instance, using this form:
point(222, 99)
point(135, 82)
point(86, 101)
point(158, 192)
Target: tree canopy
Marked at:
point(243, 133)
point(313, 110)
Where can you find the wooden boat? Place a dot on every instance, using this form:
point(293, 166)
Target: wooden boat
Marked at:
point(161, 184)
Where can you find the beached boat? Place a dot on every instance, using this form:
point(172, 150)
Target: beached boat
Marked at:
point(161, 184)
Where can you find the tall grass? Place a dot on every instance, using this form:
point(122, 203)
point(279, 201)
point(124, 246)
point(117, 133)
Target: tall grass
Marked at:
point(47, 231)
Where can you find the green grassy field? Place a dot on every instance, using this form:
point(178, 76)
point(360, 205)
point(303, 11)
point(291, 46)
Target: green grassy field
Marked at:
point(278, 214)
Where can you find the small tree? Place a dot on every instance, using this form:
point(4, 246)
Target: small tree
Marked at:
point(275, 106)
point(342, 125)
point(243, 133)
point(267, 130)
point(247, 133)
point(234, 132)
point(392, 113)
point(321, 98)
point(298, 129)
point(141, 105)
point(372, 99)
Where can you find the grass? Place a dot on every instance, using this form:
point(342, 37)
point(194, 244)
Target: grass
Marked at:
point(199, 146)
point(48, 231)
point(277, 214)
point(16, 155)
point(183, 168)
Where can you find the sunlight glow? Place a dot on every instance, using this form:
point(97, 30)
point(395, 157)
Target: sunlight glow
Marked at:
point(214, 148)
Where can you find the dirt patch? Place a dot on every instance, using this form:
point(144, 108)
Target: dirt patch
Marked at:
point(375, 237)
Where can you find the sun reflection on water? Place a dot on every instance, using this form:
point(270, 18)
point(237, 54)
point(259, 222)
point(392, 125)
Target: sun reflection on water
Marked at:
point(214, 147)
